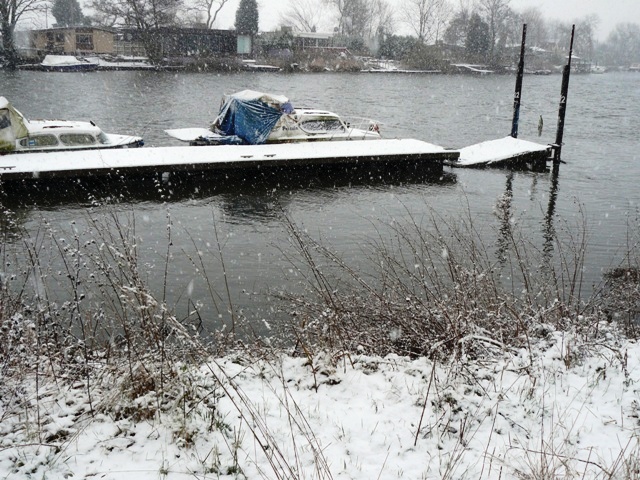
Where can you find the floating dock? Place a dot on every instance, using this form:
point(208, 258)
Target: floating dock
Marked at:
point(122, 162)
point(503, 152)
point(474, 69)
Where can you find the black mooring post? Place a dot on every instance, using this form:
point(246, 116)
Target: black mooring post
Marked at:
point(518, 95)
point(562, 110)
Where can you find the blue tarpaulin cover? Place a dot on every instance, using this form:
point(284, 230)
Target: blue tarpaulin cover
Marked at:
point(250, 115)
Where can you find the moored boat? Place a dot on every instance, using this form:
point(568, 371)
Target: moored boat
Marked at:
point(18, 134)
point(253, 118)
point(62, 63)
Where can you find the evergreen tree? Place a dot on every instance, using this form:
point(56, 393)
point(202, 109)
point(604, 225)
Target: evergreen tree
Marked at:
point(395, 47)
point(478, 38)
point(456, 33)
point(247, 17)
point(67, 13)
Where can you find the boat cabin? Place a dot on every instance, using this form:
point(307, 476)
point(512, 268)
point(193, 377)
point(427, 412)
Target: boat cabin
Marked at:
point(17, 134)
point(49, 134)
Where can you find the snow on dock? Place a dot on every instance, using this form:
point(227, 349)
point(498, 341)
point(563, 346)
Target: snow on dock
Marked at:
point(95, 162)
point(468, 68)
point(501, 152)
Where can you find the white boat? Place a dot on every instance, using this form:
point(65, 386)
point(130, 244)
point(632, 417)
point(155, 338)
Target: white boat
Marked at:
point(18, 134)
point(67, 63)
point(253, 118)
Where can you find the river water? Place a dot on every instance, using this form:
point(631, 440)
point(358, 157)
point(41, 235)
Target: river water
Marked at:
point(599, 179)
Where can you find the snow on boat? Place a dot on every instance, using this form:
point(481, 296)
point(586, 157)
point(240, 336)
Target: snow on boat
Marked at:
point(253, 118)
point(67, 63)
point(19, 135)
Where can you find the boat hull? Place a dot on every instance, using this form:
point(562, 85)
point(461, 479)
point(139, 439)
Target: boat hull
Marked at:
point(136, 142)
point(69, 68)
point(203, 136)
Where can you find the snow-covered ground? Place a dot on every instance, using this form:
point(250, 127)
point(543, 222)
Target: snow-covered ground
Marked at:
point(565, 407)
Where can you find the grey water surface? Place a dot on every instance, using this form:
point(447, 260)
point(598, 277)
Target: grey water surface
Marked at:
point(598, 181)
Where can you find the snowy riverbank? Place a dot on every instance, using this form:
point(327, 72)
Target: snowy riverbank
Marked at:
point(565, 407)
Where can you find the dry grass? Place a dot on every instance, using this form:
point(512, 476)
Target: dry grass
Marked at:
point(440, 290)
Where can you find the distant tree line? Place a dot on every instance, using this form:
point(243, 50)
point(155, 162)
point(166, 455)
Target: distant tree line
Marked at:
point(622, 47)
point(483, 31)
point(476, 30)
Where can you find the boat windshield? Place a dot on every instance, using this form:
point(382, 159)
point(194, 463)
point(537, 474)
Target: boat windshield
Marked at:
point(74, 139)
point(102, 138)
point(322, 125)
point(36, 141)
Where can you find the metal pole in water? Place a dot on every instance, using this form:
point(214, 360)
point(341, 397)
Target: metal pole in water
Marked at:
point(518, 95)
point(562, 110)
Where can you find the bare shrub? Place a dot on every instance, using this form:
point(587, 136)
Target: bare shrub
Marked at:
point(119, 345)
point(436, 287)
point(620, 295)
point(111, 327)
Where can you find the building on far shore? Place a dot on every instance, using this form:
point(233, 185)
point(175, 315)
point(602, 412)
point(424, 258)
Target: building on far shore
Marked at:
point(184, 42)
point(174, 42)
point(73, 40)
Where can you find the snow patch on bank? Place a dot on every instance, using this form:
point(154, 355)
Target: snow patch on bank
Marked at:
point(569, 404)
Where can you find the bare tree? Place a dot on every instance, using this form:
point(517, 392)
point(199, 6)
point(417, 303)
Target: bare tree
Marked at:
point(382, 18)
point(106, 17)
point(303, 15)
point(623, 44)
point(508, 31)
point(362, 18)
point(583, 45)
point(586, 29)
point(206, 8)
point(147, 16)
point(494, 12)
point(353, 16)
point(536, 26)
point(426, 17)
point(458, 26)
point(442, 20)
point(10, 13)
point(558, 32)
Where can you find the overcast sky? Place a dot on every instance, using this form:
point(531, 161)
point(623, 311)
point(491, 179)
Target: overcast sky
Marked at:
point(611, 12)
